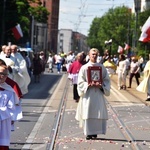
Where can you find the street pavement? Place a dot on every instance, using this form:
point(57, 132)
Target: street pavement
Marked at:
point(71, 136)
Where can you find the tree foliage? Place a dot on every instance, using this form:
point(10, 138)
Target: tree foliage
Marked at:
point(114, 25)
point(40, 13)
point(118, 24)
point(21, 11)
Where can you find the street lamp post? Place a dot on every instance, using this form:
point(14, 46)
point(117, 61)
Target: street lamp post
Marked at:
point(137, 8)
point(109, 43)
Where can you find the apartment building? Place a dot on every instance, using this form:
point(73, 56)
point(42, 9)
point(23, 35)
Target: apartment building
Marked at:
point(44, 36)
point(69, 40)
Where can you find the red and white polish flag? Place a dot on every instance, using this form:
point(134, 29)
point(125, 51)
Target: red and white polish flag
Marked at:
point(17, 32)
point(120, 49)
point(126, 46)
point(145, 35)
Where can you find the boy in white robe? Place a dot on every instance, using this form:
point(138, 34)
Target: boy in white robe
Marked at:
point(8, 109)
point(91, 111)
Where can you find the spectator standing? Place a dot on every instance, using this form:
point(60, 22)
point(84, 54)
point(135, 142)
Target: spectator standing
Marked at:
point(92, 111)
point(106, 55)
point(37, 67)
point(58, 61)
point(110, 66)
point(99, 59)
point(43, 60)
point(115, 59)
point(128, 62)
point(70, 59)
point(73, 74)
point(134, 71)
point(122, 72)
point(141, 60)
point(50, 63)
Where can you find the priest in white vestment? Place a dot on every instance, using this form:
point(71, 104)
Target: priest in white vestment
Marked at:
point(22, 78)
point(11, 62)
point(92, 111)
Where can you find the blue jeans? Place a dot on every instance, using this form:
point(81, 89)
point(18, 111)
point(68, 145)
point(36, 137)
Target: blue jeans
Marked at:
point(58, 67)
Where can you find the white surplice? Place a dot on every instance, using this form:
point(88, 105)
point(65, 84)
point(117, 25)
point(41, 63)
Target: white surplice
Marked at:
point(22, 77)
point(10, 110)
point(91, 110)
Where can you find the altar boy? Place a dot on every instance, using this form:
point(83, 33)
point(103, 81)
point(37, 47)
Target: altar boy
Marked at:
point(9, 109)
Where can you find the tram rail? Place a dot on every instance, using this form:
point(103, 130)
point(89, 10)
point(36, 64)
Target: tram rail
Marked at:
point(129, 137)
point(57, 122)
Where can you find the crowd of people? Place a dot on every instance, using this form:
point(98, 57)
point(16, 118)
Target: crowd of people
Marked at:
point(120, 64)
point(17, 68)
point(90, 95)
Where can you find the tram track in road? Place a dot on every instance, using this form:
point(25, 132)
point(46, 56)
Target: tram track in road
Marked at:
point(128, 133)
point(57, 122)
point(123, 137)
point(124, 131)
point(64, 131)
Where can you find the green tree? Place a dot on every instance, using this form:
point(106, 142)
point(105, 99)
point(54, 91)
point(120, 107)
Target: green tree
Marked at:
point(114, 25)
point(93, 39)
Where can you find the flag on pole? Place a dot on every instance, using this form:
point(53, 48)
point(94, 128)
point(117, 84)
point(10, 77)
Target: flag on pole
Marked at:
point(126, 46)
point(17, 32)
point(120, 49)
point(145, 35)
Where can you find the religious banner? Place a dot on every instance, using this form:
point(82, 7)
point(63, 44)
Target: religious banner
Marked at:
point(94, 74)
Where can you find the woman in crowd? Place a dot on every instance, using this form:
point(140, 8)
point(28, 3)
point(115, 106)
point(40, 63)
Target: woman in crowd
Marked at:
point(122, 72)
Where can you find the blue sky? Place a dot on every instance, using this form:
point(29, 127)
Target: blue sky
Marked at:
point(78, 14)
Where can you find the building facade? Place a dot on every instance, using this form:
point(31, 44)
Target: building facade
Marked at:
point(69, 40)
point(44, 36)
point(140, 5)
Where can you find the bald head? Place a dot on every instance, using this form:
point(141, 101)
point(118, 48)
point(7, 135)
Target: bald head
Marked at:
point(13, 48)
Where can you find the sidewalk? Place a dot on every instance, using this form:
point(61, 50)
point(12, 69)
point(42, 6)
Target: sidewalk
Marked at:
point(132, 90)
